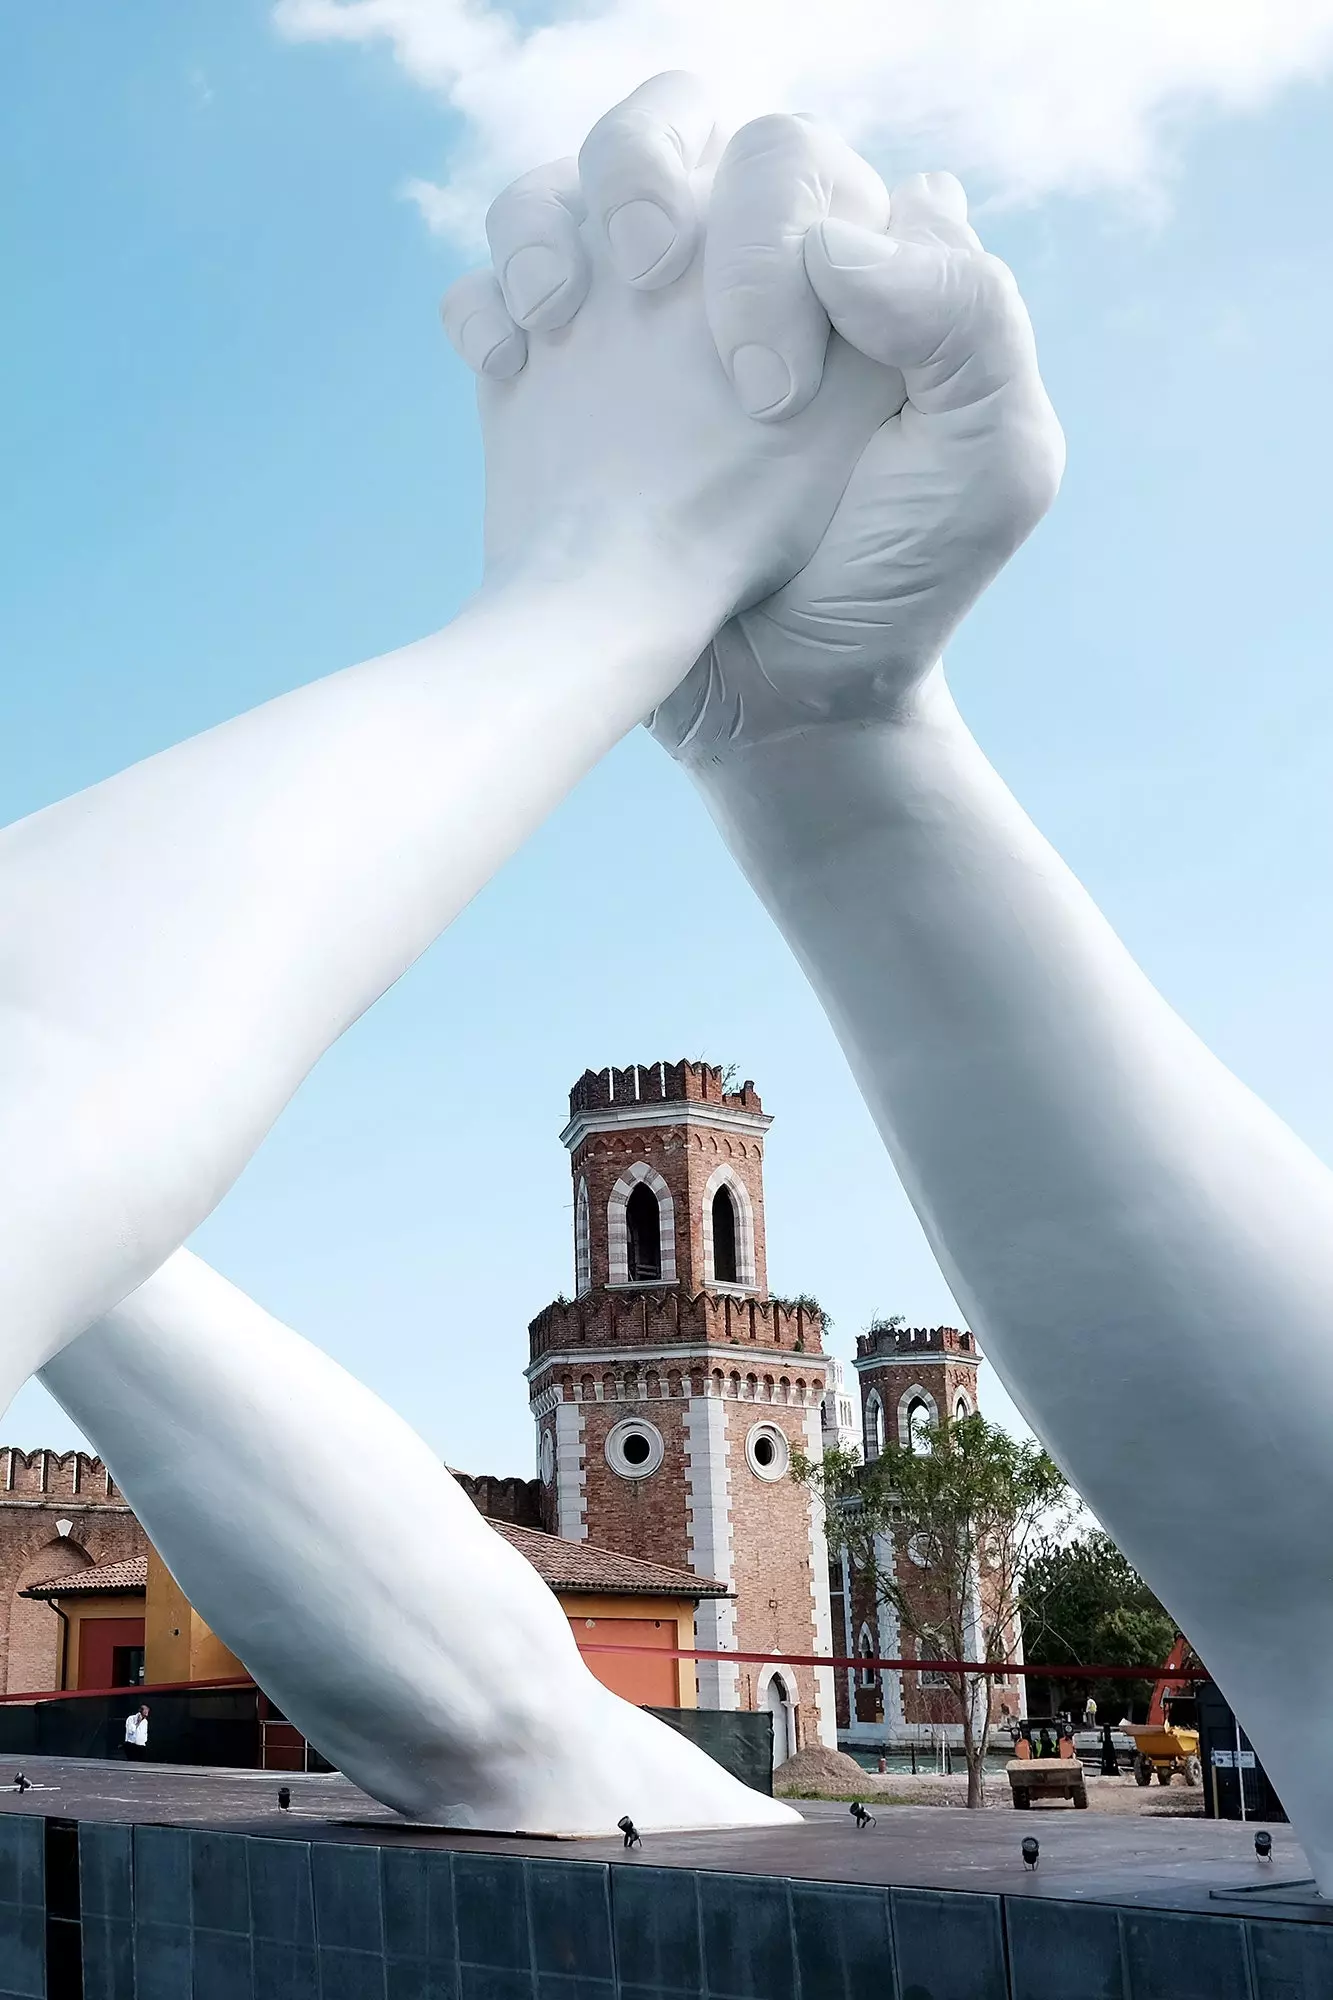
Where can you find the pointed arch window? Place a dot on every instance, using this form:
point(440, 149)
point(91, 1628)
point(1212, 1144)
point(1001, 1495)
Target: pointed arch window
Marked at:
point(641, 1229)
point(920, 1426)
point(724, 1238)
point(728, 1221)
point(918, 1419)
point(643, 1235)
point(582, 1241)
point(874, 1425)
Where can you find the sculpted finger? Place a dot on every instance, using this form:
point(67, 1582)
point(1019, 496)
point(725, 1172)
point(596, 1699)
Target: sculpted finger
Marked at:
point(932, 208)
point(536, 247)
point(635, 167)
point(477, 322)
point(953, 323)
point(779, 177)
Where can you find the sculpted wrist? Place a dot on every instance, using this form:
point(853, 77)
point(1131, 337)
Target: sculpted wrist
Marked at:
point(800, 797)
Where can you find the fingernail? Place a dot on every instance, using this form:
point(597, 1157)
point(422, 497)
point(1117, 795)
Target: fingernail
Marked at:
point(850, 248)
point(948, 194)
point(491, 347)
point(762, 379)
point(531, 277)
point(505, 358)
point(640, 234)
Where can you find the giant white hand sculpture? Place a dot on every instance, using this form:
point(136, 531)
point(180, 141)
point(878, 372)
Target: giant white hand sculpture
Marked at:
point(183, 941)
point(1110, 1205)
point(1117, 1215)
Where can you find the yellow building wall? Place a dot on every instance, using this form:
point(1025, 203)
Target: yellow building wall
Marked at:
point(584, 1612)
point(178, 1645)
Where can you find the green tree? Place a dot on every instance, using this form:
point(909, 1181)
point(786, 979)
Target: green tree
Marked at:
point(1084, 1604)
point(945, 1528)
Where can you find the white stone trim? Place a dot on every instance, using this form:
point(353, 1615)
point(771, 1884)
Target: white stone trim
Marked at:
point(767, 1675)
point(890, 1640)
point(776, 1360)
point(845, 1568)
point(653, 1113)
point(873, 1435)
point(969, 1406)
point(821, 1602)
point(582, 1240)
point(780, 1464)
point(725, 1175)
point(617, 1233)
point(571, 1478)
point(917, 1357)
point(614, 1448)
point(711, 1550)
point(916, 1394)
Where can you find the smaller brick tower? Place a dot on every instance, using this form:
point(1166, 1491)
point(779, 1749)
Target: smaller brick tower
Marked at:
point(913, 1375)
point(670, 1393)
point(910, 1378)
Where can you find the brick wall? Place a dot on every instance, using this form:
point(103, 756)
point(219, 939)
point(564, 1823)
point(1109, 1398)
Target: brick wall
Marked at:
point(639, 1517)
point(37, 1491)
point(773, 1578)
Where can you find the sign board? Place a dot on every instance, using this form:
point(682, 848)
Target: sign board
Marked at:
point(1225, 1760)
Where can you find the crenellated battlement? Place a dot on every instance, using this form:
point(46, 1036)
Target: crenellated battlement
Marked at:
point(666, 1319)
point(886, 1343)
point(55, 1475)
point(503, 1497)
point(683, 1082)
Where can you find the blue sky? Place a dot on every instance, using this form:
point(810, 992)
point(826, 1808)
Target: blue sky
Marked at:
point(239, 454)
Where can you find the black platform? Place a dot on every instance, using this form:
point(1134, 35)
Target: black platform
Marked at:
point(163, 1883)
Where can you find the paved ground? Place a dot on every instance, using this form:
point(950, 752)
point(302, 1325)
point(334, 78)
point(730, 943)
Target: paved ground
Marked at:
point(1105, 1795)
point(1162, 1863)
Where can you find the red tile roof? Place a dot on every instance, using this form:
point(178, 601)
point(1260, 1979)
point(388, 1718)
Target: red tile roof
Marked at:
point(581, 1566)
point(102, 1580)
point(571, 1566)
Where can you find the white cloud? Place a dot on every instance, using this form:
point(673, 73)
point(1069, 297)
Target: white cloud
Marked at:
point(1029, 97)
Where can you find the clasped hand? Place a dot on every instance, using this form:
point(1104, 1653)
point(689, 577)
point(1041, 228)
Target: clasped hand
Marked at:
point(751, 370)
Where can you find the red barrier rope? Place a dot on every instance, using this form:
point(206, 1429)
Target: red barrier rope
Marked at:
point(996, 1668)
point(139, 1690)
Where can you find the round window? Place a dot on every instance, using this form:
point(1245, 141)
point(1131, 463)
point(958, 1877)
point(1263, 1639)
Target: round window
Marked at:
point(768, 1452)
point(634, 1448)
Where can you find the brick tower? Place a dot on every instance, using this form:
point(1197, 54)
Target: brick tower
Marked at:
point(670, 1393)
point(910, 1377)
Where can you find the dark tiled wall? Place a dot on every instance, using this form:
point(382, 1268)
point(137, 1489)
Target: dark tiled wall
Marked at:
point(168, 1914)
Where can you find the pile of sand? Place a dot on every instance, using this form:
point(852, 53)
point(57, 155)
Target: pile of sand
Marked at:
point(817, 1769)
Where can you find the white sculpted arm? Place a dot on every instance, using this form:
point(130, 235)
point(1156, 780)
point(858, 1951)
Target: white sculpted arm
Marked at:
point(329, 1548)
point(182, 942)
point(1144, 1249)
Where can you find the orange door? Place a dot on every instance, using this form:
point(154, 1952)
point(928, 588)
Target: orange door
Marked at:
point(637, 1677)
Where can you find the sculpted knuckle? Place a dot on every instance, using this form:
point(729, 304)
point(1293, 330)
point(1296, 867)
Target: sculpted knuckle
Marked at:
point(1026, 462)
point(779, 135)
point(997, 304)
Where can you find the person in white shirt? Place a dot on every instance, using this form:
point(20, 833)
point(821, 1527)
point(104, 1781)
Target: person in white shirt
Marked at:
point(136, 1733)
